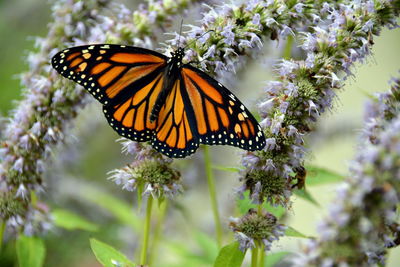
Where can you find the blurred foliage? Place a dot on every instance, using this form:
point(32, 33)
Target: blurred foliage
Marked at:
point(19, 20)
point(70, 221)
point(30, 251)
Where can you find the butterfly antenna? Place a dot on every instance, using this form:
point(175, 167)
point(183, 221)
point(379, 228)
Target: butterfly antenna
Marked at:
point(180, 34)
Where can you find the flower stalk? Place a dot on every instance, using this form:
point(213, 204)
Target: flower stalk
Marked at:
point(40, 118)
point(306, 89)
point(362, 222)
point(146, 232)
point(261, 262)
point(163, 207)
point(2, 230)
point(254, 256)
point(213, 195)
point(50, 103)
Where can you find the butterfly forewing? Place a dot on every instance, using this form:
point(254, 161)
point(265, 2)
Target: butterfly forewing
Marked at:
point(111, 73)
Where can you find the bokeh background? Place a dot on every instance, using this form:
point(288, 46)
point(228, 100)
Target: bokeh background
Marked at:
point(78, 177)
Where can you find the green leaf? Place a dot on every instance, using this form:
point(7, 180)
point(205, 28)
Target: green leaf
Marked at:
point(30, 251)
point(120, 209)
point(230, 256)
point(318, 176)
point(304, 194)
point(71, 221)
point(278, 211)
point(290, 231)
point(207, 244)
point(109, 256)
point(274, 258)
point(226, 169)
point(245, 204)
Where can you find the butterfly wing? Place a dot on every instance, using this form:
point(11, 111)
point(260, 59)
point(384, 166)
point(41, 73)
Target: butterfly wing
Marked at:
point(175, 136)
point(197, 110)
point(111, 73)
point(217, 115)
point(131, 118)
point(127, 80)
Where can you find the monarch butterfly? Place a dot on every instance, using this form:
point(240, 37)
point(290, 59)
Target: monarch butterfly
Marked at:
point(147, 96)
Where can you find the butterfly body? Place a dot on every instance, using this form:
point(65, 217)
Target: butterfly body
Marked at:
point(174, 64)
point(147, 96)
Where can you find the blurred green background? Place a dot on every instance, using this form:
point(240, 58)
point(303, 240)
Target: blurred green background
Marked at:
point(80, 171)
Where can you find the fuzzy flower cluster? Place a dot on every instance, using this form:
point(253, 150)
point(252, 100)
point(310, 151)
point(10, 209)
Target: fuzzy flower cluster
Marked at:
point(231, 31)
point(157, 13)
point(150, 173)
point(256, 229)
point(140, 27)
point(50, 102)
point(305, 90)
point(38, 121)
point(362, 223)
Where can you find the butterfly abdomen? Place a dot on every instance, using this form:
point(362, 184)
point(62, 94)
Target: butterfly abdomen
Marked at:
point(170, 76)
point(161, 98)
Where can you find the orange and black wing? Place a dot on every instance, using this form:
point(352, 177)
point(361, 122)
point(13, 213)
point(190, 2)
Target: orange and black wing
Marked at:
point(199, 110)
point(216, 116)
point(126, 80)
point(175, 135)
point(111, 73)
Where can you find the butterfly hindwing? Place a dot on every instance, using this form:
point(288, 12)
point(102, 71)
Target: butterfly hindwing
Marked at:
point(174, 135)
point(131, 117)
point(109, 72)
point(199, 110)
point(220, 117)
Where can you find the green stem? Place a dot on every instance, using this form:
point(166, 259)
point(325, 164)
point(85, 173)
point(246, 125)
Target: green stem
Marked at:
point(146, 233)
point(2, 229)
point(287, 52)
point(260, 245)
point(33, 198)
point(213, 196)
point(157, 231)
point(254, 256)
point(261, 262)
point(259, 209)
